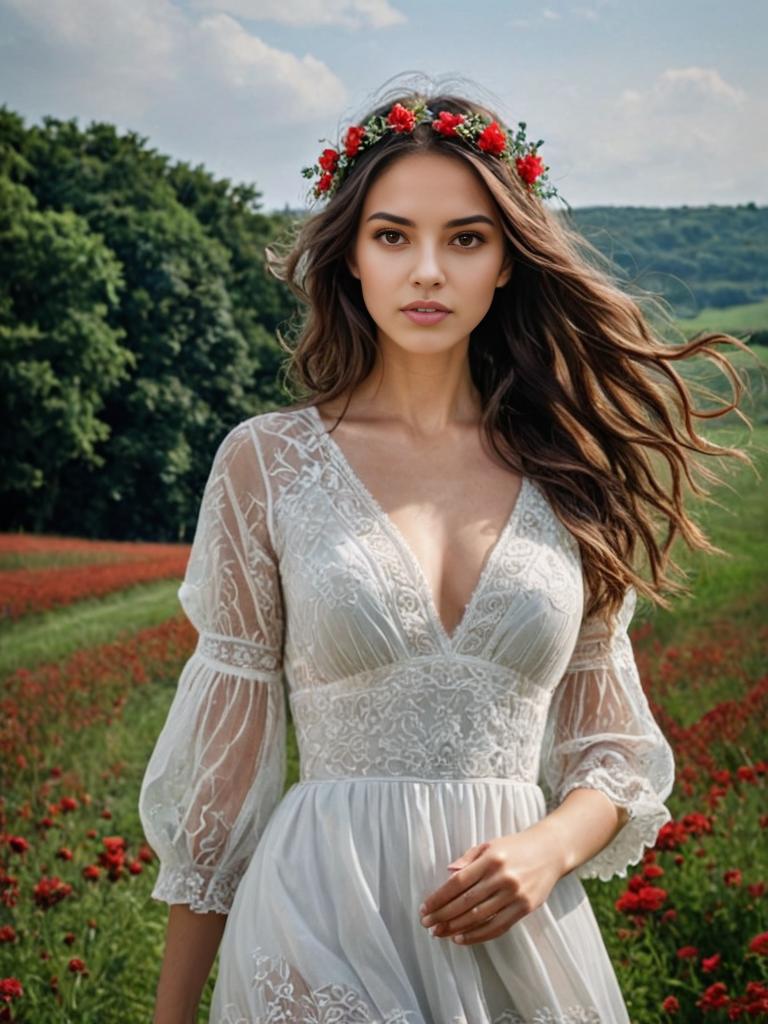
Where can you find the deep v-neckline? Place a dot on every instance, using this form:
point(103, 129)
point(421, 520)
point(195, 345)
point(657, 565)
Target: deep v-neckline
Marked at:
point(448, 639)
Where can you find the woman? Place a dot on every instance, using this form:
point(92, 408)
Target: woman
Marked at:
point(442, 593)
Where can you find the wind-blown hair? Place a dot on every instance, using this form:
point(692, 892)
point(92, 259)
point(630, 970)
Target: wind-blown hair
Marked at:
point(578, 389)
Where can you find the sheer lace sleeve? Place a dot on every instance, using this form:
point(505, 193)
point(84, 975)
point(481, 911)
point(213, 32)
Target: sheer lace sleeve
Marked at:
point(217, 770)
point(601, 734)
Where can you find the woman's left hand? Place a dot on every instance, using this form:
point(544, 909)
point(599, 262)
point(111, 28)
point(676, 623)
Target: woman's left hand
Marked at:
point(496, 883)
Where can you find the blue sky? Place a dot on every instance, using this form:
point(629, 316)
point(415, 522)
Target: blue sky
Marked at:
point(639, 103)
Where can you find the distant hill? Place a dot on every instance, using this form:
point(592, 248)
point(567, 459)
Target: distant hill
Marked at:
point(697, 257)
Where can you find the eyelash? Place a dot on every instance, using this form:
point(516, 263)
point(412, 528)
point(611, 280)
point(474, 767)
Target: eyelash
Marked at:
point(463, 234)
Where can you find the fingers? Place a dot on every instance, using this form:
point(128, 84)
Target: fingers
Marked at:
point(497, 925)
point(474, 916)
point(434, 906)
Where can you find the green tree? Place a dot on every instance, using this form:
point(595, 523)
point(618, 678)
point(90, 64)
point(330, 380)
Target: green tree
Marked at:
point(60, 355)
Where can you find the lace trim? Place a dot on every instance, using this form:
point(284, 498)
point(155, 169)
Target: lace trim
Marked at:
point(282, 995)
point(202, 891)
point(609, 772)
point(226, 653)
point(435, 719)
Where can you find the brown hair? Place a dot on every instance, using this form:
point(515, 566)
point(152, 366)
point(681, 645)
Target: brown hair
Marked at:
point(578, 389)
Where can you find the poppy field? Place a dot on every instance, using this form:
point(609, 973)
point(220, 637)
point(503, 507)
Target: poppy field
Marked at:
point(93, 644)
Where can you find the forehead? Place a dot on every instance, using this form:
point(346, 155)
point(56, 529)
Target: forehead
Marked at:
point(429, 182)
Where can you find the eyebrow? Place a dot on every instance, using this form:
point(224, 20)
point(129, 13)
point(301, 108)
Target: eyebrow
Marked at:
point(457, 222)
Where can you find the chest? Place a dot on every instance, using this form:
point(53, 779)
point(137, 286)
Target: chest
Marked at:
point(447, 503)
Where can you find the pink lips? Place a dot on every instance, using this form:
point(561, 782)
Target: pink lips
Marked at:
point(426, 318)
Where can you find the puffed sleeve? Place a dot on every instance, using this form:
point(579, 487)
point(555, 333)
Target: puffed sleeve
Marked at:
point(601, 734)
point(218, 767)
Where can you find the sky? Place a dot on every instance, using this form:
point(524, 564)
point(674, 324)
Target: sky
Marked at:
point(639, 102)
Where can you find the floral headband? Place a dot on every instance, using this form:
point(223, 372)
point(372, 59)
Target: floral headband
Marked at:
point(487, 136)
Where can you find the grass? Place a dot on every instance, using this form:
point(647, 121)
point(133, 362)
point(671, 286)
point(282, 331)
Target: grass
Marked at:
point(53, 635)
point(749, 317)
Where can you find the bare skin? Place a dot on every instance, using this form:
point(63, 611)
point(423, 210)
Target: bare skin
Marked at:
point(191, 943)
point(448, 497)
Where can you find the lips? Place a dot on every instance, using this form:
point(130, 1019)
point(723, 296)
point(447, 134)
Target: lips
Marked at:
point(432, 306)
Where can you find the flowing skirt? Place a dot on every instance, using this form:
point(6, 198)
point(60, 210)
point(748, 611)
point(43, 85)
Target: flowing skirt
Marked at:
point(325, 925)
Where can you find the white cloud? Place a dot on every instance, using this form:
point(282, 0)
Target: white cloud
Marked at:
point(298, 88)
point(201, 88)
point(683, 84)
point(353, 14)
point(121, 61)
point(687, 129)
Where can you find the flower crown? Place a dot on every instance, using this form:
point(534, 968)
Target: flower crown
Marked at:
point(487, 136)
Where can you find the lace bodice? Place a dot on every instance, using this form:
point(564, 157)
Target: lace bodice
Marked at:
point(304, 593)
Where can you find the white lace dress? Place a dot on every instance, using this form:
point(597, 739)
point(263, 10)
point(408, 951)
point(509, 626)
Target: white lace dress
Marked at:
point(415, 745)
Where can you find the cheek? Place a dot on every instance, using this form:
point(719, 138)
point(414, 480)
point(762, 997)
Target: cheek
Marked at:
point(377, 274)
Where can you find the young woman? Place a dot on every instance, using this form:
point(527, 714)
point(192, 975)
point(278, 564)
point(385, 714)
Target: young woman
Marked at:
point(440, 589)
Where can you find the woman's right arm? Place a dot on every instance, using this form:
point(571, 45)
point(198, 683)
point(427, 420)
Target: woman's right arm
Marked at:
point(191, 943)
point(218, 767)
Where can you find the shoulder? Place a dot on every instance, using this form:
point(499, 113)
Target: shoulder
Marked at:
point(259, 427)
point(251, 446)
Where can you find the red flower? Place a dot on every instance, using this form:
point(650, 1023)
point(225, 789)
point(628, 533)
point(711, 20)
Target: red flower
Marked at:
point(446, 122)
point(7, 933)
point(69, 938)
point(709, 963)
point(650, 897)
point(135, 867)
point(328, 159)
point(10, 988)
point(759, 944)
point(529, 167)
point(492, 139)
point(353, 138)
point(68, 803)
point(91, 872)
point(401, 119)
point(114, 844)
point(687, 952)
point(670, 1004)
point(324, 182)
point(64, 853)
point(756, 889)
point(671, 835)
point(732, 877)
point(18, 844)
point(50, 891)
point(76, 965)
point(653, 871)
point(715, 997)
point(697, 824)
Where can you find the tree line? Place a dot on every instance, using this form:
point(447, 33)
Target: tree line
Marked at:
point(138, 319)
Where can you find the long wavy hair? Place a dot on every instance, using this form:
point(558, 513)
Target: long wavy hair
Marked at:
point(578, 389)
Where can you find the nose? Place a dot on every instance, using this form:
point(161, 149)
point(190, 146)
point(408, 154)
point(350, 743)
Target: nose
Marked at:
point(426, 270)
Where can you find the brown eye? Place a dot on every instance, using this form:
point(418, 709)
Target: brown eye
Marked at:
point(471, 234)
point(388, 231)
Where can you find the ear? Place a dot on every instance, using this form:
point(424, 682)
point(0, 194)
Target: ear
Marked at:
point(352, 265)
point(506, 271)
